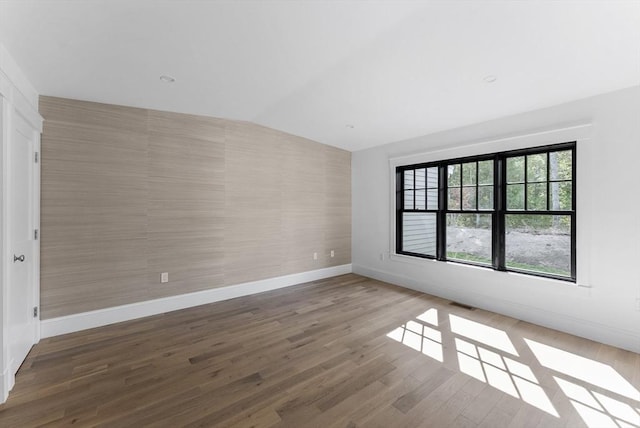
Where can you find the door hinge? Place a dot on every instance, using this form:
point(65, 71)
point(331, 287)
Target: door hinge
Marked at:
point(35, 234)
point(35, 312)
point(36, 157)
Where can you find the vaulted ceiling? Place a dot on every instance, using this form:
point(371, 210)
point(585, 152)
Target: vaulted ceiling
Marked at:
point(352, 74)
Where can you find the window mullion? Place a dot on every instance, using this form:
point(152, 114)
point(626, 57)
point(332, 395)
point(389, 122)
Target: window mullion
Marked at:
point(574, 274)
point(500, 196)
point(441, 226)
point(399, 208)
point(526, 182)
point(477, 178)
point(548, 180)
point(414, 188)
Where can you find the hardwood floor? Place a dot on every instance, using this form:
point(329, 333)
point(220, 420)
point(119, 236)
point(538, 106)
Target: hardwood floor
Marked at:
point(343, 352)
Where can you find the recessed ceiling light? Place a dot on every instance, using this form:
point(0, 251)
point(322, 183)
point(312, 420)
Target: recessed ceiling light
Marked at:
point(490, 78)
point(167, 79)
point(349, 126)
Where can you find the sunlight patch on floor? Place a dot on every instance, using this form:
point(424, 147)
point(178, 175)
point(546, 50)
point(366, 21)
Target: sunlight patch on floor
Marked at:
point(503, 373)
point(482, 333)
point(420, 337)
point(598, 393)
point(597, 409)
point(430, 317)
point(582, 368)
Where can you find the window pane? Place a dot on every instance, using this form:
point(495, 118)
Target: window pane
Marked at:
point(537, 196)
point(420, 178)
point(537, 168)
point(421, 202)
point(485, 172)
point(469, 237)
point(432, 199)
point(469, 198)
point(408, 179)
point(485, 197)
point(454, 174)
point(469, 173)
point(408, 199)
point(432, 178)
point(515, 170)
point(454, 198)
point(419, 233)
point(539, 243)
point(560, 197)
point(515, 196)
point(560, 165)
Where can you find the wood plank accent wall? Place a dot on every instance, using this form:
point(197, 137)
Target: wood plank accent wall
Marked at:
point(129, 193)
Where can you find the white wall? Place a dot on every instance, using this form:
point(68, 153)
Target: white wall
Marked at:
point(604, 306)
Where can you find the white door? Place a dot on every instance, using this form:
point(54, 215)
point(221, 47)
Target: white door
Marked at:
point(23, 207)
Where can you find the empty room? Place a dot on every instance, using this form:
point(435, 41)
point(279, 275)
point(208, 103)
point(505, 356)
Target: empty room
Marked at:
point(320, 213)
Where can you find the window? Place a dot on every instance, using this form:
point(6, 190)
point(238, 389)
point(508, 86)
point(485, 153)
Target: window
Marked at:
point(469, 209)
point(420, 190)
point(510, 211)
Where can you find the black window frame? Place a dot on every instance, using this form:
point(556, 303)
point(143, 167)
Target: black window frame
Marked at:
point(498, 213)
point(401, 192)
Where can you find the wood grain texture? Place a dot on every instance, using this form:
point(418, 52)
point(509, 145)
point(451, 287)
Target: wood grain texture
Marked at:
point(320, 355)
point(129, 193)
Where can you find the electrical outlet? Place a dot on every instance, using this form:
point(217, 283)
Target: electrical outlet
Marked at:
point(333, 253)
point(315, 256)
point(638, 304)
point(381, 256)
point(164, 277)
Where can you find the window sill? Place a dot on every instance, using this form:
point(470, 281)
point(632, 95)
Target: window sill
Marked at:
point(417, 261)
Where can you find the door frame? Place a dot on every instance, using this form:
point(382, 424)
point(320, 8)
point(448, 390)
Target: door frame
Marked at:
point(12, 103)
point(21, 125)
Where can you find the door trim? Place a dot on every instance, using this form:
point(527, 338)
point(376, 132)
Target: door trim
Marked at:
point(19, 123)
point(12, 102)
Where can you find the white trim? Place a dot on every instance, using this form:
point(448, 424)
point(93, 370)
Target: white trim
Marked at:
point(22, 105)
point(101, 317)
point(30, 115)
point(5, 363)
point(18, 98)
point(613, 336)
point(35, 224)
point(7, 380)
point(19, 82)
point(581, 133)
point(544, 137)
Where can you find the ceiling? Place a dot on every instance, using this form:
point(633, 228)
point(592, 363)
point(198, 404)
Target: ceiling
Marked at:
point(353, 74)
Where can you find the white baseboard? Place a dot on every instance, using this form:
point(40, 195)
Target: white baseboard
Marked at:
point(82, 321)
point(7, 380)
point(577, 326)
